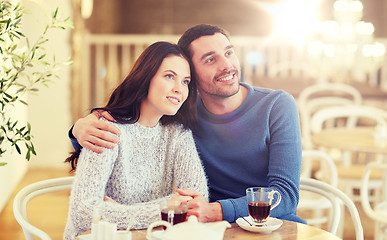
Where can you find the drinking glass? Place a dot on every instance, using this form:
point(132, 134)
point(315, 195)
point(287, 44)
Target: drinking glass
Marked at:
point(260, 203)
point(173, 212)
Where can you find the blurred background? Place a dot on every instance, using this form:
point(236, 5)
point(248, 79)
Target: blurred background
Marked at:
point(285, 44)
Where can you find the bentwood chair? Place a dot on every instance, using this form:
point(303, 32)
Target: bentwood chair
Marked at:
point(351, 116)
point(313, 207)
point(335, 196)
point(378, 213)
point(28, 193)
point(319, 96)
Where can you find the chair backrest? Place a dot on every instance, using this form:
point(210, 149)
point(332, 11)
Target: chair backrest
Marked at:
point(326, 170)
point(321, 95)
point(352, 112)
point(31, 191)
point(334, 195)
point(364, 192)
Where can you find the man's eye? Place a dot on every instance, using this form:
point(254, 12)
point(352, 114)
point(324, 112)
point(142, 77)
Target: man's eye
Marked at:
point(209, 60)
point(228, 53)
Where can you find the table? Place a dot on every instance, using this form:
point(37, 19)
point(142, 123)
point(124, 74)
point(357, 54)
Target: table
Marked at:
point(359, 139)
point(288, 231)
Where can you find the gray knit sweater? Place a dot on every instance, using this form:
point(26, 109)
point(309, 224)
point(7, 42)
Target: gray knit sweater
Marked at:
point(138, 174)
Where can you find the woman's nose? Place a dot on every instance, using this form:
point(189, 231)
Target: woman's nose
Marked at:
point(177, 88)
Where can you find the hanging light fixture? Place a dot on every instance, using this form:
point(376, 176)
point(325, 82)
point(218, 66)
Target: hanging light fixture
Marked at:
point(345, 49)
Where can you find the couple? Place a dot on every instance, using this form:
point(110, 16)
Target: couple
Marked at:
point(245, 136)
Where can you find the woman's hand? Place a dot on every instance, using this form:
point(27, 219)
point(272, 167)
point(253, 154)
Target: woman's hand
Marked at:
point(108, 199)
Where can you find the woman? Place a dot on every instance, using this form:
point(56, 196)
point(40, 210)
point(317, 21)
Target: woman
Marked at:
point(154, 107)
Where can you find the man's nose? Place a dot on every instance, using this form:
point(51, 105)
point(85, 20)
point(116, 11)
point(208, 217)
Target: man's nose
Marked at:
point(225, 63)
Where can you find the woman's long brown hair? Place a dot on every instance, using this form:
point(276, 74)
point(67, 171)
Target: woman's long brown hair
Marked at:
point(125, 102)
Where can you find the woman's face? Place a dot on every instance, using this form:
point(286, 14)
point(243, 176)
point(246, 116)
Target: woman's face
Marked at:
point(168, 89)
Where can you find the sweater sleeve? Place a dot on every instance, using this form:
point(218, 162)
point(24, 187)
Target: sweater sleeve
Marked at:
point(189, 171)
point(284, 163)
point(285, 154)
point(93, 173)
point(73, 140)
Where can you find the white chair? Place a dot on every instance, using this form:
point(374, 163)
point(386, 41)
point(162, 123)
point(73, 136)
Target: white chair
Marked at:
point(31, 191)
point(313, 205)
point(379, 212)
point(349, 178)
point(357, 111)
point(320, 95)
point(335, 196)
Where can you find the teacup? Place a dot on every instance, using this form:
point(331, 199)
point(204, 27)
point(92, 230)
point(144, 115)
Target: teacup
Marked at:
point(260, 203)
point(173, 212)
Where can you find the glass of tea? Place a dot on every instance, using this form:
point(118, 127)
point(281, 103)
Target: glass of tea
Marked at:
point(173, 212)
point(260, 203)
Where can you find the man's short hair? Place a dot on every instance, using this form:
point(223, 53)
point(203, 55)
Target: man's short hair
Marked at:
point(196, 32)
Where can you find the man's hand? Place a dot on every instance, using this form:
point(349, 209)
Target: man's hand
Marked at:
point(201, 208)
point(94, 134)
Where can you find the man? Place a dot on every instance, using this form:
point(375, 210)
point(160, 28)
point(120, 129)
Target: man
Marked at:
point(247, 136)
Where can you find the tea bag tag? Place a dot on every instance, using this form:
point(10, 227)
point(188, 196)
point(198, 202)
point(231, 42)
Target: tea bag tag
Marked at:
point(171, 215)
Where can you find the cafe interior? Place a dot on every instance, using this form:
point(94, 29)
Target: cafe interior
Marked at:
point(330, 55)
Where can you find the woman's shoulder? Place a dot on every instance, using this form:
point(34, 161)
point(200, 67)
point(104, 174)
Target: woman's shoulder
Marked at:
point(115, 124)
point(176, 129)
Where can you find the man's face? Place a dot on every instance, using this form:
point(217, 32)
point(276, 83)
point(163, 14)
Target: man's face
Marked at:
point(217, 68)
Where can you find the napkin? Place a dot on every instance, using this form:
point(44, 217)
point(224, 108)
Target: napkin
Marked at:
point(103, 230)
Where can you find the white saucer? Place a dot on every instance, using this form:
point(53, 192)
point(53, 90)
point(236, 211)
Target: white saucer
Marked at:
point(270, 225)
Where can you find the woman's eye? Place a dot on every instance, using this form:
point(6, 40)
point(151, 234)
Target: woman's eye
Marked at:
point(186, 82)
point(170, 76)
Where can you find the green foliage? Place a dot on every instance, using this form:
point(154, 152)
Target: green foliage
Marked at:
point(23, 69)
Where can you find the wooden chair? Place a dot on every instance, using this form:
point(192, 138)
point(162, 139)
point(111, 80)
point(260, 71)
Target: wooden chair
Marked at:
point(28, 193)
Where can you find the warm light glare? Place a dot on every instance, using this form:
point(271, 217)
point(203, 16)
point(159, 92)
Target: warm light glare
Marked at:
point(351, 48)
point(348, 6)
point(330, 28)
point(356, 6)
point(345, 48)
point(294, 18)
point(364, 28)
point(315, 48)
point(341, 6)
point(380, 50)
point(330, 50)
point(374, 50)
point(347, 30)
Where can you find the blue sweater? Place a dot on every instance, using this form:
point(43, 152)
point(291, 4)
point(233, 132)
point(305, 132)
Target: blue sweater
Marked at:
point(259, 144)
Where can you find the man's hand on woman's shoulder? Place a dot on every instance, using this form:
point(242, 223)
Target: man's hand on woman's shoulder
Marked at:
point(94, 134)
